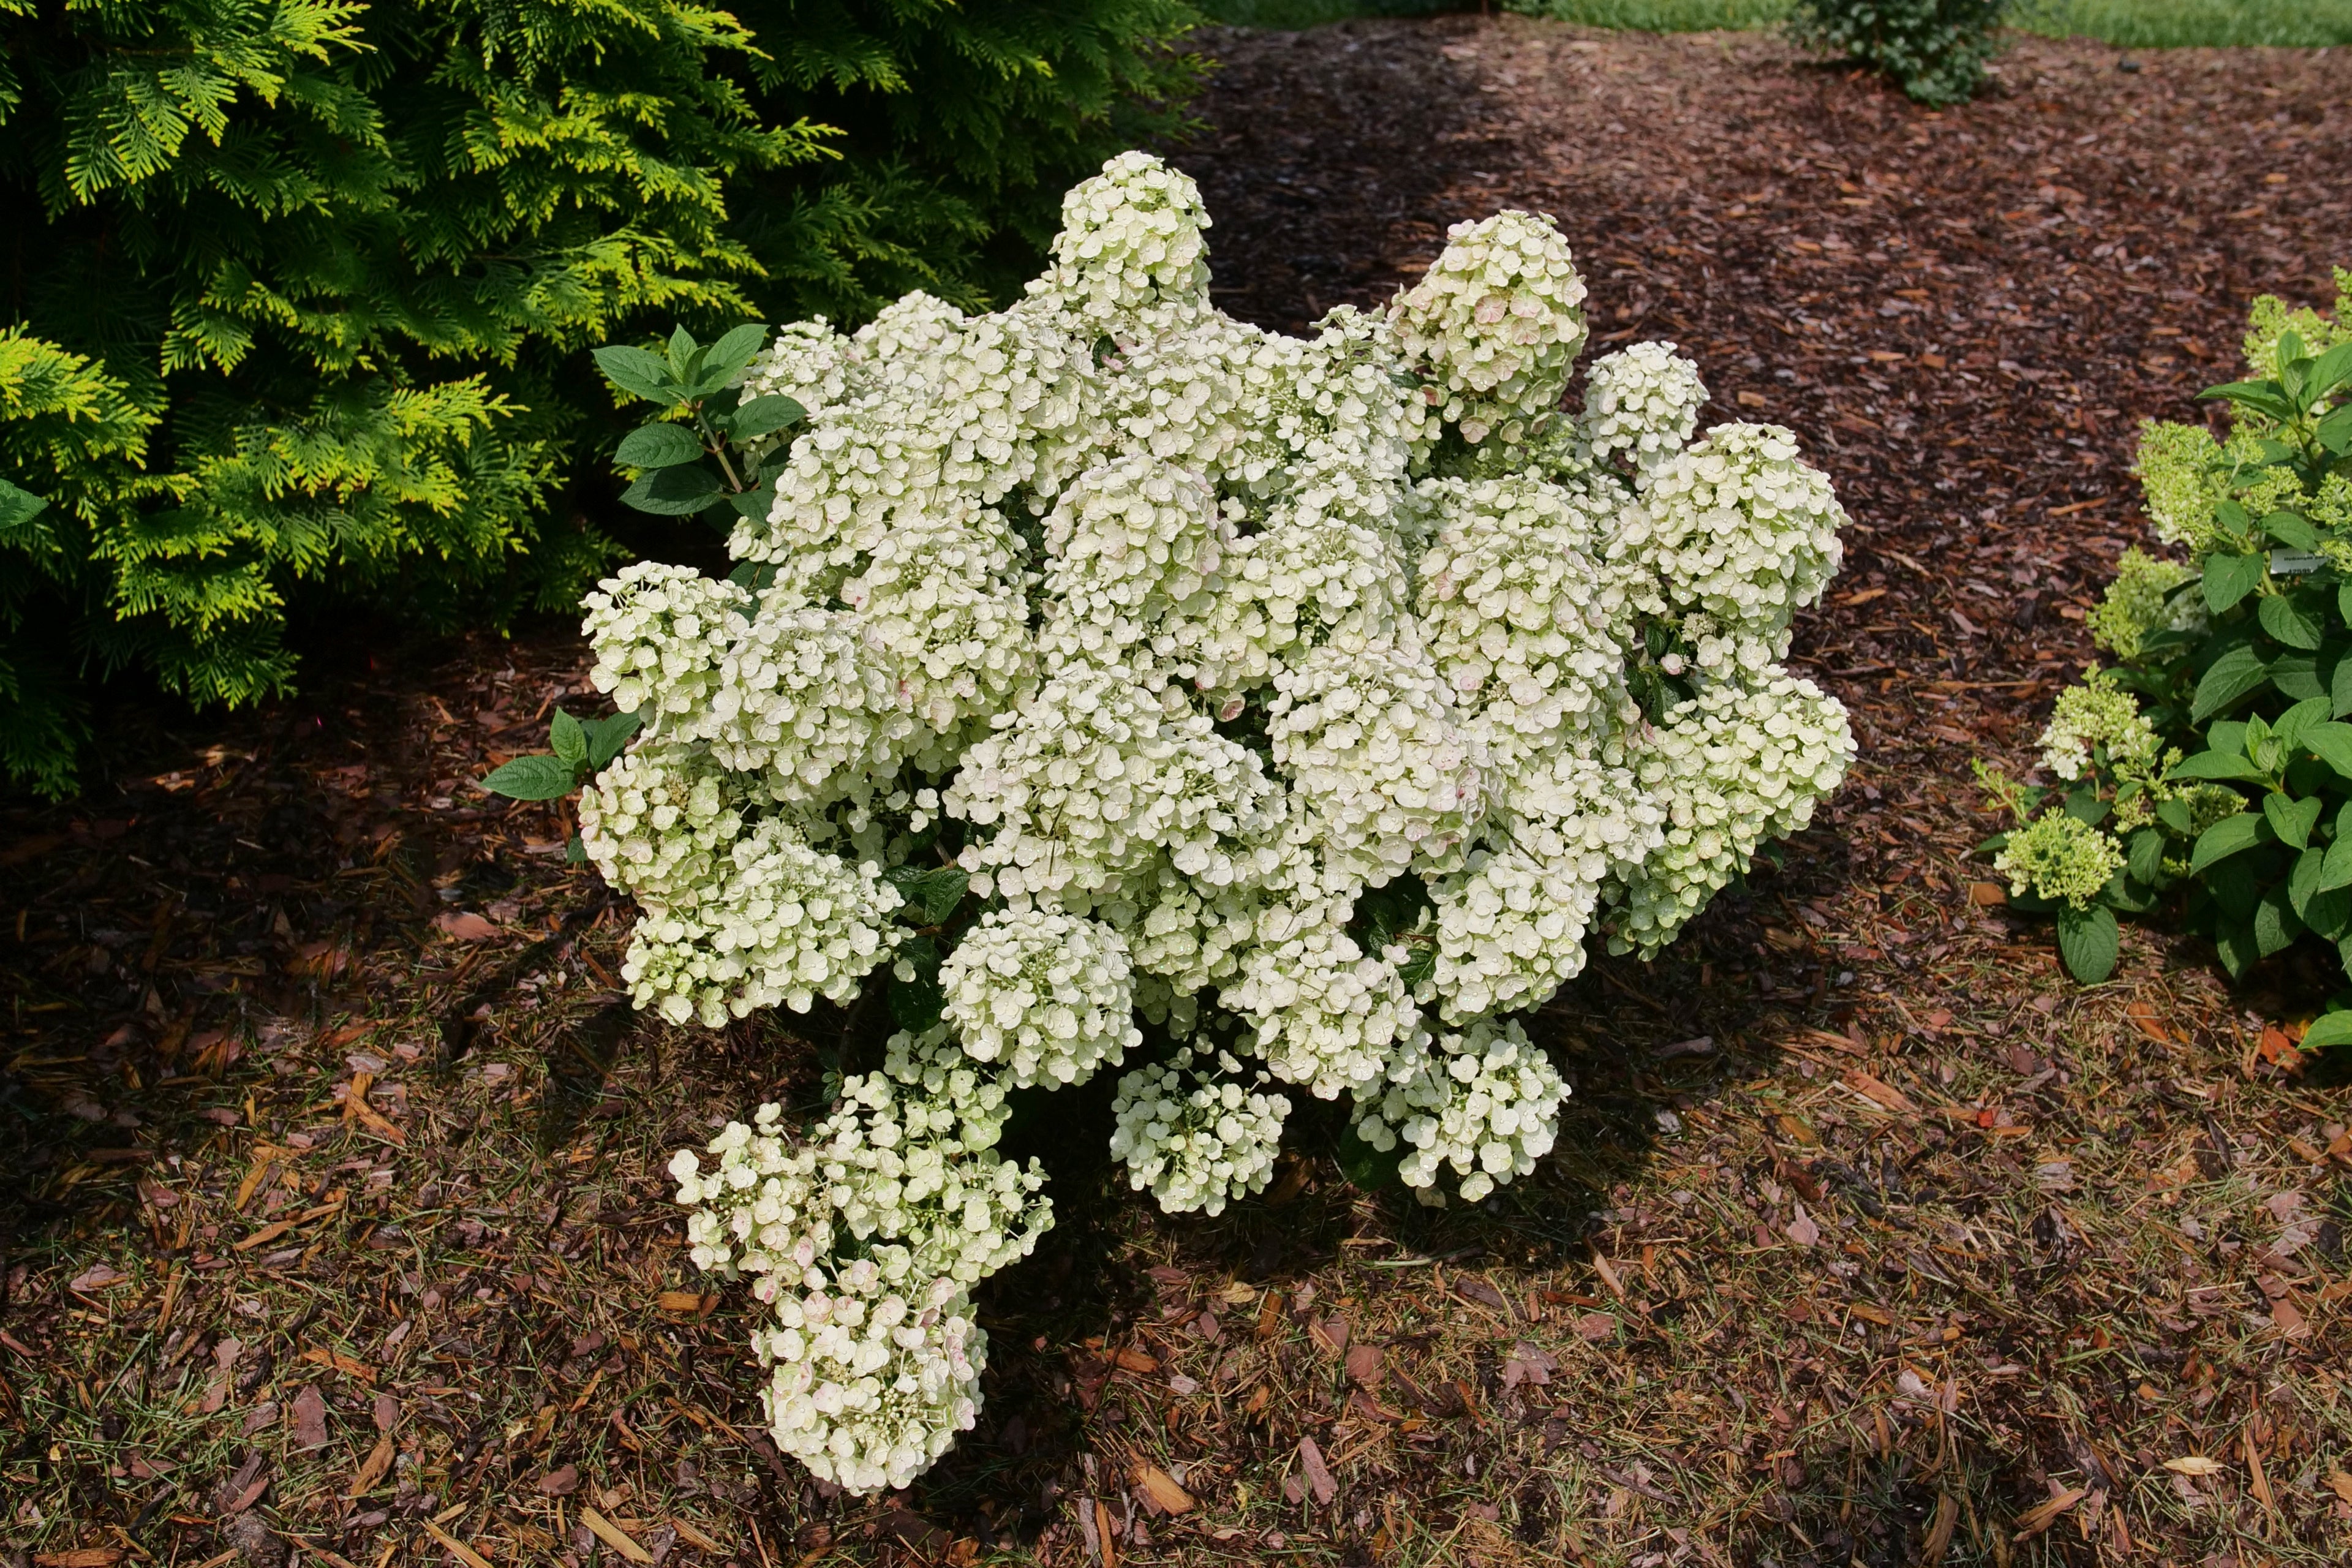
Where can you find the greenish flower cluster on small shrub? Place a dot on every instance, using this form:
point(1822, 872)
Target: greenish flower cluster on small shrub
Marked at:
point(2209, 770)
point(1934, 49)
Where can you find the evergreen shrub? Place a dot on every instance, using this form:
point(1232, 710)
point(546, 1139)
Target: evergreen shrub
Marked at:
point(298, 289)
point(2206, 771)
point(1934, 49)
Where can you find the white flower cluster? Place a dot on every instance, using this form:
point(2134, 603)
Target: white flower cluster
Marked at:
point(1484, 1101)
point(1642, 400)
point(1735, 766)
point(1197, 1139)
point(1497, 323)
point(1326, 697)
point(1050, 995)
point(863, 1241)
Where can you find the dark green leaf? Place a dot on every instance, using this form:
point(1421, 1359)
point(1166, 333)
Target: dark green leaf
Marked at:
point(2234, 941)
point(2335, 431)
point(575, 851)
point(2336, 870)
point(2088, 942)
point(2296, 721)
point(725, 359)
point(2212, 765)
point(2292, 820)
point(606, 737)
point(1366, 1169)
point(2329, 914)
point(569, 738)
point(2085, 807)
point(931, 894)
point(2296, 676)
point(2174, 814)
point(755, 503)
point(764, 416)
point(2330, 1029)
point(2283, 620)
point(2274, 923)
point(917, 1003)
point(2234, 675)
point(2331, 370)
point(2229, 578)
point(635, 370)
point(19, 507)
point(685, 357)
point(659, 446)
point(2147, 855)
point(2227, 837)
point(2303, 880)
point(675, 493)
point(2264, 396)
point(2332, 743)
point(2288, 528)
point(533, 778)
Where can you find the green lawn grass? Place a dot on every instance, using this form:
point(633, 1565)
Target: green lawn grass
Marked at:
point(2128, 23)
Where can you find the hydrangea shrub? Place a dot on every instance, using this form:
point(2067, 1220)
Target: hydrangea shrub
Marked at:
point(1127, 689)
point(2208, 771)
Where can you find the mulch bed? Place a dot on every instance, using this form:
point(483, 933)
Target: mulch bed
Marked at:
point(337, 1218)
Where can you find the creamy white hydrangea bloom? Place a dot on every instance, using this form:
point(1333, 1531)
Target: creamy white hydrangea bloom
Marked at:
point(1202, 651)
point(1484, 1101)
point(1197, 1139)
point(1526, 618)
point(875, 1360)
point(1048, 994)
point(1746, 530)
point(1130, 257)
point(1377, 752)
point(1736, 766)
point(1642, 400)
point(1328, 1016)
point(660, 635)
point(1496, 324)
point(811, 363)
point(1093, 781)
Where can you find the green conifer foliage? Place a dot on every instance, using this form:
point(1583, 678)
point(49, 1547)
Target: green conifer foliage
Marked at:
point(298, 292)
point(962, 121)
point(293, 284)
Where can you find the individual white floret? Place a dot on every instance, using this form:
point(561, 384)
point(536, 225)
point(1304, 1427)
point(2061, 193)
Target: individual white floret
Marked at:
point(1327, 1015)
point(1642, 400)
point(1734, 766)
point(1484, 1101)
point(1197, 1140)
point(1497, 323)
point(1374, 747)
point(1048, 994)
point(1747, 530)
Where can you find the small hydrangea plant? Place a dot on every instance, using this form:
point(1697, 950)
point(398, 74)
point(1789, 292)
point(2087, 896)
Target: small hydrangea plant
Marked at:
point(2208, 771)
point(1121, 686)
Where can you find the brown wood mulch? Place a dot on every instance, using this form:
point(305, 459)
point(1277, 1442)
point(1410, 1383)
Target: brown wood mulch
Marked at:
point(332, 1195)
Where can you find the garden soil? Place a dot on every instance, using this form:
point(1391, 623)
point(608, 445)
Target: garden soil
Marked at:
point(335, 1223)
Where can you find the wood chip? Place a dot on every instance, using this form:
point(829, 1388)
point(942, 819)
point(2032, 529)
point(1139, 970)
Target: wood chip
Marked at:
point(2034, 1520)
point(370, 1472)
point(1161, 1488)
point(465, 1554)
point(612, 1535)
point(1318, 1475)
